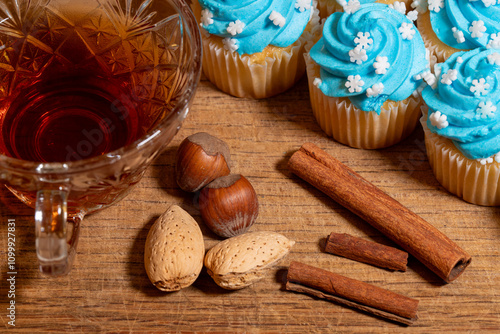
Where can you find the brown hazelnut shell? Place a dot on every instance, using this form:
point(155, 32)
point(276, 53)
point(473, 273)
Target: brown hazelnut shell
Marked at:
point(229, 205)
point(200, 159)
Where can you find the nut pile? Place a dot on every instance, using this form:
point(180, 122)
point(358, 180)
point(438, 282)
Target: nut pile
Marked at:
point(228, 202)
point(174, 251)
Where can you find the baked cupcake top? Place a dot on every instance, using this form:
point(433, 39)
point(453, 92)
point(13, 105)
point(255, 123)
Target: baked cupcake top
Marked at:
point(248, 26)
point(465, 104)
point(371, 55)
point(466, 24)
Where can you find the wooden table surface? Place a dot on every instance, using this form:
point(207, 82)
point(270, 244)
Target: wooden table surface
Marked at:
point(108, 289)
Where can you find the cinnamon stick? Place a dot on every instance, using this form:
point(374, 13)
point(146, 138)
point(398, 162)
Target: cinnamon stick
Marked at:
point(353, 293)
point(405, 228)
point(366, 251)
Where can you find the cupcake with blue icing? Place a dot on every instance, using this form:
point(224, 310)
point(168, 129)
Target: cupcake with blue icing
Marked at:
point(449, 26)
point(462, 125)
point(364, 74)
point(254, 48)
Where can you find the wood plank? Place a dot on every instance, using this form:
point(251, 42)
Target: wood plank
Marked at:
point(108, 289)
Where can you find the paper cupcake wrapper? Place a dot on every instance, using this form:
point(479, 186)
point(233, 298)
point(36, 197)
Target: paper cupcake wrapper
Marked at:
point(327, 7)
point(351, 126)
point(438, 49)
point(468, 179)
point(240, 76)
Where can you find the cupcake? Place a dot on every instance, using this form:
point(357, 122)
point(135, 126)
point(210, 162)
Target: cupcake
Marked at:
point(255, 48)
point(328, 7)
point(462, 125)
point(363, 74)
point(462, 25)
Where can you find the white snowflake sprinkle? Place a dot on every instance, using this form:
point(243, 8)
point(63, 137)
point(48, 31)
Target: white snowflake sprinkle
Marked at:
point(458, 34)
point(352, 6)
point(460, 60)
point(363, 40)
point(407, 31)
point(399, 6)
point(427, 54)
point(497, 157)
point(448, 77)
point(435, 5)
point(342, 3)
point(354, 83)
point(412, 15)
point(485, 110)
point(494, 42)
point(303, 5)
point(419, 5)
point(235, 27)
point(230, 44)
point(438, 70)
point(206, 17)
point(439, 120)
point(417, 93)
point(488, 3)
point(428, 77)
point(484, 161)
point(277, 19)
point(479, 86)
point(317, 82)
point(358, 55)
point(375, 90)
point(494, 58)
point(381, 65)
point(477, 29)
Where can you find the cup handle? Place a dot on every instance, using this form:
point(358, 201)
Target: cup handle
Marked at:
point(55, 251)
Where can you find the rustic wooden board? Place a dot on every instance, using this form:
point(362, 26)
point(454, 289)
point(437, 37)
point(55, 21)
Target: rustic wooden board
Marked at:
point(108, 290)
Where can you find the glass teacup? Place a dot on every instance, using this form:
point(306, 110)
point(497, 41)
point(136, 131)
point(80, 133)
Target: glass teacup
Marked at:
point(91, 91)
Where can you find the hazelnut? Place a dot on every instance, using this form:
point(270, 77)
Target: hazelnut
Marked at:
point(229, 205)
point(201, 158)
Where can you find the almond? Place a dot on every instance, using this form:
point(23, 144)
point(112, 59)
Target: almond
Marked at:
point(174, 250)
point(244, 259)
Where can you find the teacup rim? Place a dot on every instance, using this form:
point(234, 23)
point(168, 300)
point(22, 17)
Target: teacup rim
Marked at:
point(178, 114)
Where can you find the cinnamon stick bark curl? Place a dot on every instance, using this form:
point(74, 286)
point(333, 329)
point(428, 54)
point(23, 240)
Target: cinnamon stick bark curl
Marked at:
point(366, 251)
point(351, 292)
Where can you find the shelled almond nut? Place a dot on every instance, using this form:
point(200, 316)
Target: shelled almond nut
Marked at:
point(229, 205)
point(174, 250)
point(239, 261)
point(200, 159)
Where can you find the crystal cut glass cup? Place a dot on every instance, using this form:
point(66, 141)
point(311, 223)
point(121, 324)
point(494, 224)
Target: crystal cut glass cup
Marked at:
point(142, 56)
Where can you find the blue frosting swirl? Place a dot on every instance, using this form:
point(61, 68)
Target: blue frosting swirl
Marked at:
point(461, 14)
point(259, 30)
point(405, 57)
point(470, 105)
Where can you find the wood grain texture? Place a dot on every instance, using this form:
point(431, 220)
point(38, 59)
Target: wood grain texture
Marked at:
point(108, 289)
